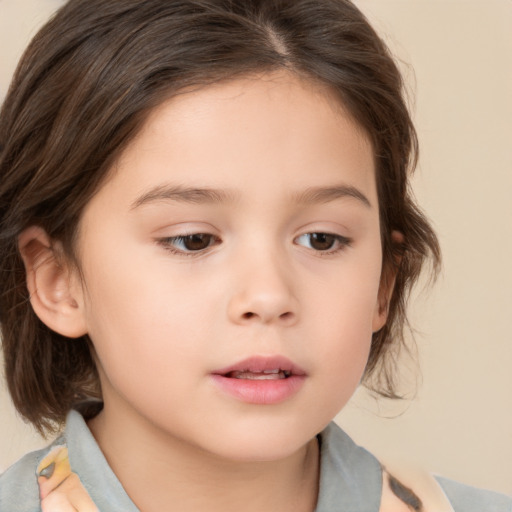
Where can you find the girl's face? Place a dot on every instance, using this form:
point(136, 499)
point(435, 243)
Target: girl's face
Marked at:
point(231, 268)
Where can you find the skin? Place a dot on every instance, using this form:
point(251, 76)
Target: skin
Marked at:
point(162, 321)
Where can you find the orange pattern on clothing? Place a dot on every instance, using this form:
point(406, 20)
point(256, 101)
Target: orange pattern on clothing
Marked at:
point(61, 490)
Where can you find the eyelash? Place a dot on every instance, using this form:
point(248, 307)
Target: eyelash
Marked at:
point(169, 243)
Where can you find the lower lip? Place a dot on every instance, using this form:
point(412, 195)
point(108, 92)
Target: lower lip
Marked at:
point(262, 392)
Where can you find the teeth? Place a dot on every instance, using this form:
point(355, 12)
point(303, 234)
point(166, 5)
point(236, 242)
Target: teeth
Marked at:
point(274, 374)
point(259, 376)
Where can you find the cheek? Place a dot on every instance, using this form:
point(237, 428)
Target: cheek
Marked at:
point(348, 294)
point(340, 362)
point(141, 319)
point(347, 308)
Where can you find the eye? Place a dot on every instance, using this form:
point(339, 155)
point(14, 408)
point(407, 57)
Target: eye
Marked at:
point(187, 244)
point(323, 242)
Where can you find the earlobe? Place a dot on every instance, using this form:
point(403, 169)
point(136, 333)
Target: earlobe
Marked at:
point(54, 292)
point(381, 313)
point(387, 285)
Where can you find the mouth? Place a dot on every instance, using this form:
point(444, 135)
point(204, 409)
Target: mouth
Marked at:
point(262, 368)
point(273, 374)
point(260, 380)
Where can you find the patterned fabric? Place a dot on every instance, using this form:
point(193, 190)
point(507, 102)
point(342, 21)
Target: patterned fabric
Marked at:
point(59, 487)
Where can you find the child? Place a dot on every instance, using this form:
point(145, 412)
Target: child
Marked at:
point(207, 240)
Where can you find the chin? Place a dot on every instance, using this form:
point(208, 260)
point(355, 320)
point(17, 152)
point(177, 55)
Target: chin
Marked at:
point(261, 441)
point(266, 451)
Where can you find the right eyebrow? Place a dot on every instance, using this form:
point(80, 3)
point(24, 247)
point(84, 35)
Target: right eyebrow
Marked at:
point(327, 194)
point(194, 195)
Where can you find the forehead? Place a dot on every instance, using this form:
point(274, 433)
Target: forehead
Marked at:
point(294, 93)
point(268, 132)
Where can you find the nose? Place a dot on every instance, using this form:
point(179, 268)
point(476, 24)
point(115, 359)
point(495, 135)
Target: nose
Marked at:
point(263, 292)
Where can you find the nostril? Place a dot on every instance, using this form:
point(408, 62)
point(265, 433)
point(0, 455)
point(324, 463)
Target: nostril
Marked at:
point(284, 316)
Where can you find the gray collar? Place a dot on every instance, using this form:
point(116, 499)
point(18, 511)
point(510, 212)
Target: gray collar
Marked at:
point(350, 477)
point(88, 461)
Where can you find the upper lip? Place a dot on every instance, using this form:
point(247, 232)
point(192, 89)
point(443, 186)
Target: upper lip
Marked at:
point(258, 364)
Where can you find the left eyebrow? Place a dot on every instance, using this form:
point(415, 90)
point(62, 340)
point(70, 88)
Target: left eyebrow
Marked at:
point(327, 194)
point(194, 195)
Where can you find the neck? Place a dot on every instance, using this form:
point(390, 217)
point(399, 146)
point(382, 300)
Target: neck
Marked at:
point(162, 470)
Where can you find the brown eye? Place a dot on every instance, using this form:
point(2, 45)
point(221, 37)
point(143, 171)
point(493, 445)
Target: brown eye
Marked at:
point(196, 242)
point(323, 242)
point(188, 245)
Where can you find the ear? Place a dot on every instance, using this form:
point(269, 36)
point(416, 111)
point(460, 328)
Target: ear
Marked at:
point(55, 290)
point(387, 285)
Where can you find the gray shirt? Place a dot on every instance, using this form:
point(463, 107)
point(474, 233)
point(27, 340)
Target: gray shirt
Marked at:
point(350, 477)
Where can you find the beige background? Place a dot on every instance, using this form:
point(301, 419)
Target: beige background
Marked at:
point(460, 422)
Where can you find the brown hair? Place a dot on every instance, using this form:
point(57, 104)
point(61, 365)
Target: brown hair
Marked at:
point(85, 86)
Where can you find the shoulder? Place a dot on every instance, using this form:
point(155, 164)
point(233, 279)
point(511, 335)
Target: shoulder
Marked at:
point(465, 498)
point(352, 477)
point(19, 491)
point(421, 491)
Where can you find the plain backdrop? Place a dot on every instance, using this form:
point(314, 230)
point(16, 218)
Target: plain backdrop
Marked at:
point(457, 58)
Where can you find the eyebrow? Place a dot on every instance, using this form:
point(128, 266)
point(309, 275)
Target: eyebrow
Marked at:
point(194, 195)
point(205, 195)
point(327, 194)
